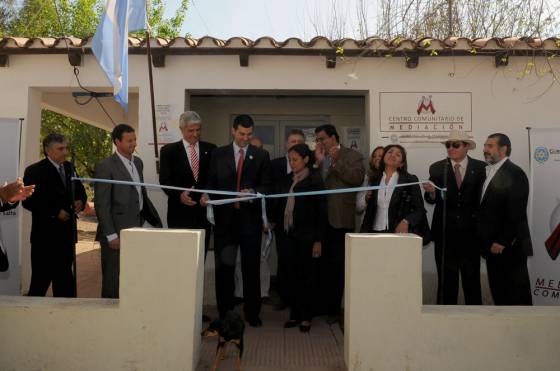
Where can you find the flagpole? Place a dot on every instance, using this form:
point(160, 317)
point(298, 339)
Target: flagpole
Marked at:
point(152, 100)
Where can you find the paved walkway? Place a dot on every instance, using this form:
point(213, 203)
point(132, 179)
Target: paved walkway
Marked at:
point(270, 348)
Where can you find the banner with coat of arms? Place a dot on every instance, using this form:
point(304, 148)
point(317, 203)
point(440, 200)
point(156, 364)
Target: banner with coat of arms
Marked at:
point(545, 215)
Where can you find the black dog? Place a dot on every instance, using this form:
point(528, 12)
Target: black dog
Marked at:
point(228, 330)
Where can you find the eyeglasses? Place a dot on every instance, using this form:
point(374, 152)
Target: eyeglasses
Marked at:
point(453, 144)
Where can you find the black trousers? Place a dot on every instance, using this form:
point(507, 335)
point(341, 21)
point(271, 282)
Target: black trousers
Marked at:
point(52, 264)
point(509, 279)
point(462, 257)
point(225, 254)
point(301, 277)
point(332, 270)
point(283, 267)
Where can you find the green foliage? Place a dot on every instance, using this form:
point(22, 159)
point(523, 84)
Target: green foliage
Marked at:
point(89, 143)
point(78, 18)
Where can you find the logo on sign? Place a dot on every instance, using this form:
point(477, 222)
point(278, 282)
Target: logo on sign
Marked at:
point(426, 105)
point(541, 154)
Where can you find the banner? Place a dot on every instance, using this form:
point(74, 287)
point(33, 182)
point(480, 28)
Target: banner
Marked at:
point(545, 215)
point(9, 225)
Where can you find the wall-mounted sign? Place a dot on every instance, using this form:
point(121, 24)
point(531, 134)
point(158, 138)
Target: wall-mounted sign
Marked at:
point(421, 113)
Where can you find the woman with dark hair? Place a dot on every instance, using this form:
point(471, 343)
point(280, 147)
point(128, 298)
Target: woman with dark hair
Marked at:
point(394, 209)
point(303, 220)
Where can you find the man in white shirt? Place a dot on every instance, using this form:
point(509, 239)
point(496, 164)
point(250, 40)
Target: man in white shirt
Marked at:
point(119, 206)
point(503, 230)
point(463, 176)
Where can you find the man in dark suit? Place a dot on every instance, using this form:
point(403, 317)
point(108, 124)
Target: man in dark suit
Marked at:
point(186, 164)
point(463, 176)
point(503, 230)
point(280, 169)
point(119, 207)
point(53, 208)
point(340, 167)
point(239, 167)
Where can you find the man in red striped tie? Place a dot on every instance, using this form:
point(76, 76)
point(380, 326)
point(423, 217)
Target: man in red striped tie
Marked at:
point(239, 167)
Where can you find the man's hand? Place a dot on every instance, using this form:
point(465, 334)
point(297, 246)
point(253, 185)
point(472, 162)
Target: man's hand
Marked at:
point(402, 227)
point(496, 248)
point(319, 154)
point(428, 187)
point(335, 154)
point(63, 216)
point(16, 191)
point(368, 195)
point(115, 244)
point(247, 190)
point(204, 200)
point(186, 199)
point(316, 250)
point(78, 206)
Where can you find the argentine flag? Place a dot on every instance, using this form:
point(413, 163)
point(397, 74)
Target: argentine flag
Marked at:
point(110, 43)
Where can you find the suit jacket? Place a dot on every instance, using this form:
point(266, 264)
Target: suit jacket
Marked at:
point(503, 212)
point(462, 203)
point(223, 176)
point(348, 172)
point(279, 167)
point(175, 170)
point(51, 195)
point(118, 206)
point(310, 212)
point(410, 195)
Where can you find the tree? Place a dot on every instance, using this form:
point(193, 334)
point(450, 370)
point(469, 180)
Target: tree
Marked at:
point(78, 18)
point(88, 144)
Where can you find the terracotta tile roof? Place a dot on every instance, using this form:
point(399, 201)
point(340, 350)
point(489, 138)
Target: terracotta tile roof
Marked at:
point(267, 45)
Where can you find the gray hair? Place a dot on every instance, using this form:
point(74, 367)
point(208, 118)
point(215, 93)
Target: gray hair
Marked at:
point(189, 117)
point(52, 138)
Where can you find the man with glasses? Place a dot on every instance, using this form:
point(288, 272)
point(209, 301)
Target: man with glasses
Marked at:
point(463, 176)
point(340, 167)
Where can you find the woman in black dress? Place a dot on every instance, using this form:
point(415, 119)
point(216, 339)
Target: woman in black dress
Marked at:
point(303, 220)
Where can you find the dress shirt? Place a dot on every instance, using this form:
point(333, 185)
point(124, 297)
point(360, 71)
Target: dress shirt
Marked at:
point(57, 166)
point(491, 170)
point(236, 153)
point(381, 222)
point(188, 149)
point(133, 171)
point(462, 166)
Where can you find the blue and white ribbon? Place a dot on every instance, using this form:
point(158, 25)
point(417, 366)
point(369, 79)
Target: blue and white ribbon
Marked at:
point(248, 197)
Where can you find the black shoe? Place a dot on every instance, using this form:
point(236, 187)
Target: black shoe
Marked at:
point(255, 322)
point(305, 326)
point(332, 319)
point(291, 323)
point(205, 318)
point(237, 301)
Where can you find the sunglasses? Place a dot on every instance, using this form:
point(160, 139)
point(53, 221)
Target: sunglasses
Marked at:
point(453, 144)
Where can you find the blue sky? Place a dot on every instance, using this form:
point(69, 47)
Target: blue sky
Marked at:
point(255, 18)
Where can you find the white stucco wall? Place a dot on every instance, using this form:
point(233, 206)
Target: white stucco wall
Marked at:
point(388, 328)
point(155, 325)
point(501, 100)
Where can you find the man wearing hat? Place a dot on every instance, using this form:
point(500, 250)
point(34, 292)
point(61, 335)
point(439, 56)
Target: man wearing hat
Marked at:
point(463, 176)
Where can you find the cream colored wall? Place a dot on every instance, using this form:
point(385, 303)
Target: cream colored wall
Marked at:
point(501, 100)
point(154, 326)
point(387, 328)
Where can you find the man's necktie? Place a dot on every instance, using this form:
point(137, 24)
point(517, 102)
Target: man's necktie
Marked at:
point(62, 174)
point(457, 171)
point(239, 173)
point(194, 161)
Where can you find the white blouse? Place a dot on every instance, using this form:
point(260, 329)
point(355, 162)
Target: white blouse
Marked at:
point(381, 221)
